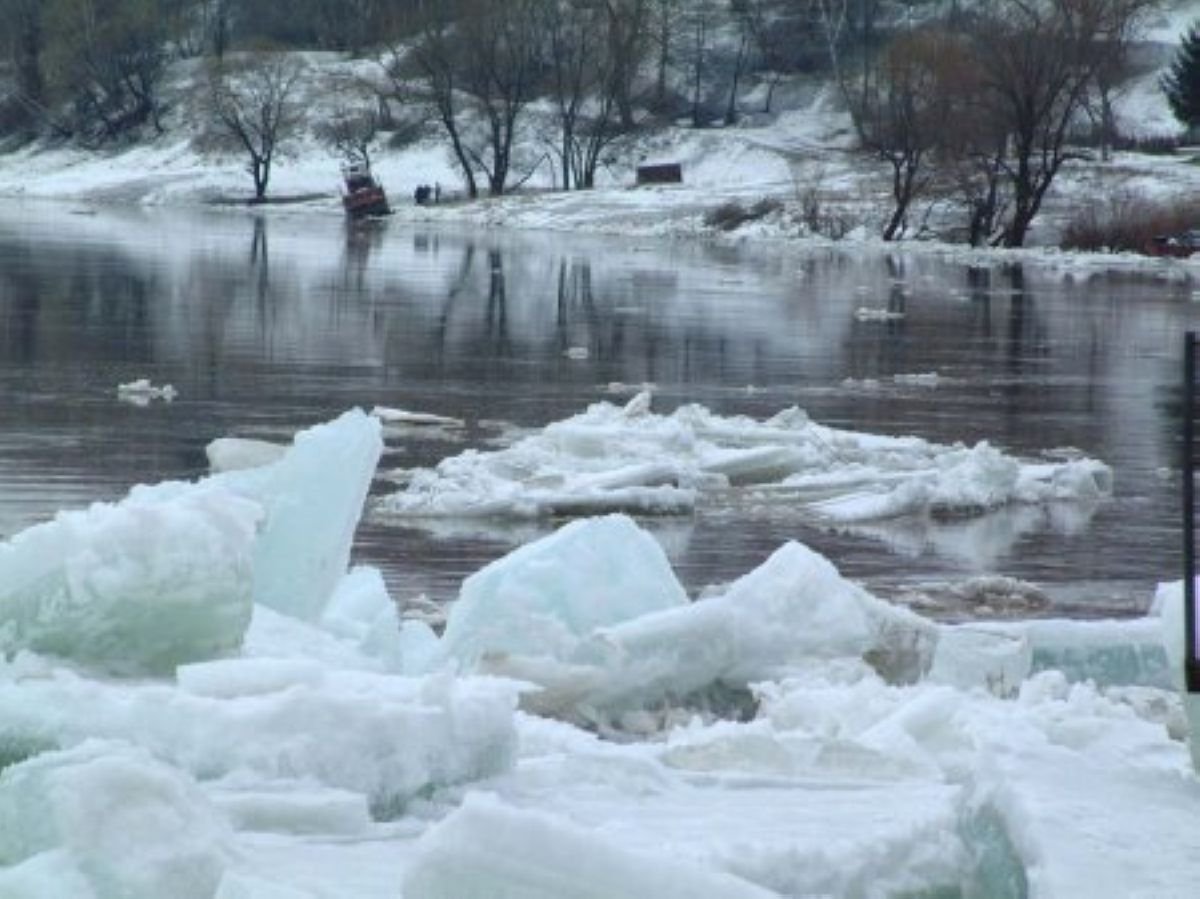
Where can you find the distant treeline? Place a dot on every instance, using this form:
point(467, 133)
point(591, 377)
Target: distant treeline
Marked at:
point(92, 69)
point(974, 104)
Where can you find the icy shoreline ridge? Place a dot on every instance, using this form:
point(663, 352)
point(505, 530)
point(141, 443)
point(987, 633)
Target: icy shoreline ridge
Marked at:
point(627, 458)
point(199, 700)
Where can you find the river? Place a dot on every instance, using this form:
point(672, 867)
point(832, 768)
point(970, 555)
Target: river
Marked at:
point(265, 325)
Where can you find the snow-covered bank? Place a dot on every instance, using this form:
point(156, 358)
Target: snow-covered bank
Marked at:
point(800, 157)
point(803, 736)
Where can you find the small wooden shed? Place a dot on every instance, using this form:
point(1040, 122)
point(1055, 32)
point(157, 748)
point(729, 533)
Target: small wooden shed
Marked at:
point(660, 173)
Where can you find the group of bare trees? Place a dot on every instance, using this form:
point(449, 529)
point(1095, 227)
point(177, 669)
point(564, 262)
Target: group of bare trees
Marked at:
point(986, 106)
point(478, 65)
point(975, 101)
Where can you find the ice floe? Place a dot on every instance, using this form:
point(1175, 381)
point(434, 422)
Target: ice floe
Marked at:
point(871, 314)
point(142, 391)
point(237, 453)
point(280, 732)
point(390, 415)
point(628, 458)
point(133, 586)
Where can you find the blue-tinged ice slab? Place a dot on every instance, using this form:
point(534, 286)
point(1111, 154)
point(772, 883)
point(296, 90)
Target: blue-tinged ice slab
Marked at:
point(122, 824)
point(542, 599)
point(313, 499)
point(1169, 602)
point(1110, 653)
point(792, 609)
point(362, 612)
point(133, 587)
point(169, 574)
point(999, 655)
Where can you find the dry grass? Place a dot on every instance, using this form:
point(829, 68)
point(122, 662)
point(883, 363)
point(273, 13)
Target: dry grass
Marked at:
point(732, 215)
point(1128, 223)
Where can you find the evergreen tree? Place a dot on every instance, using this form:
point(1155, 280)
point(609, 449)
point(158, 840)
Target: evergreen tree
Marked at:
point(1182, 83)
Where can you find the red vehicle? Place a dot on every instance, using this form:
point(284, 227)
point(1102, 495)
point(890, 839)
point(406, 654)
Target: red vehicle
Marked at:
point(364, 195)
point(1179, 245)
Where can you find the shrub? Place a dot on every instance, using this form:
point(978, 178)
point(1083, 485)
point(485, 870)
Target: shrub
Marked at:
point(732, 215)
point(1128, 223)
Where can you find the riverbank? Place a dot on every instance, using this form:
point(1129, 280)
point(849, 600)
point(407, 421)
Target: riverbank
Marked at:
point(792, 174)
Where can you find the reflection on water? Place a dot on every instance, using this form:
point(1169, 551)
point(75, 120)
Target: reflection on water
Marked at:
point(266, 325)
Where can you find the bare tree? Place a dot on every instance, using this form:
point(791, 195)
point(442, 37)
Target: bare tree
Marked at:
point(501, 69)
point(737, 70)
point(580, 72)
point(1115, 67)
point(474, 64)
point(760, 21)
point(699, 24)
point(355, 122)
point(430, 74)
point(1036, 62)
point(212, 24)
point(253, 109)
point(107, 59)
point(661, 19)
point(903, 114)
point(626, 30)
point(26, 43)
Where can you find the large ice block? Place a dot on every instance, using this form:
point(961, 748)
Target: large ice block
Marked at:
point(612, 458)
point(543, 598)
point(313, 498)
point(792, 608)
point(128, 825)
point(134, 587)
point(550, 626)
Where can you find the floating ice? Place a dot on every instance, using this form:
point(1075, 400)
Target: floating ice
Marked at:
point(361, 611)
point(1169, 602)
point(133, 587)
point(384, 737)
point(117, 820)
point(238, 885)
point(872, 314)
point(285, 807)
point(389, 415)
point(620, 388)
point(313, 498)
point(1107, 653)
point(551, 615)
point(542, 599)
point(791, 609)
point(873, 753)
point(141, 392)
point(613, 458)
point(918, 379)
point(968, 481)
point(237, 453)
point(167, 575)
point(970, 656)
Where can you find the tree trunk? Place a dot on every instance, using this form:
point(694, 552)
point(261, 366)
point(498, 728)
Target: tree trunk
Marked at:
point(739, 65)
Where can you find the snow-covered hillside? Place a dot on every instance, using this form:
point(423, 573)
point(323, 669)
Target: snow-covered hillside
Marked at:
point(801, 154)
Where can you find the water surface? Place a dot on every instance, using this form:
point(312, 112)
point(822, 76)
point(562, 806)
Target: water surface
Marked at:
point(265, 326)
